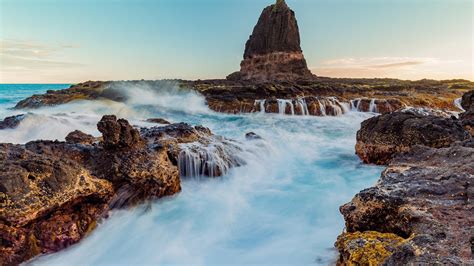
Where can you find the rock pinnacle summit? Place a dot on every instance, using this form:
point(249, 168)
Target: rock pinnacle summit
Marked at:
point(273, 51)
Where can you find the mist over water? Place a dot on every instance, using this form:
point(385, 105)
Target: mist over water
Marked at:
point(281, 207)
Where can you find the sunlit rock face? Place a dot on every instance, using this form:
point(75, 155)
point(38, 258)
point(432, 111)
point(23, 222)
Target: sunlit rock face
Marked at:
point(273, 51)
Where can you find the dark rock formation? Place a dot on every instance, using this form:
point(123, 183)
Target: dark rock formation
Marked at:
point(273, 51)
point(11, 122)
point(53, 193)
point(467, 117)
point(252, 136)
point(158, 121)
point(383, 136)
point(419, 213)
point(467, 101)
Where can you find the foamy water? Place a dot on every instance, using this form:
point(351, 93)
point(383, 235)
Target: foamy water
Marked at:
point(281, 207)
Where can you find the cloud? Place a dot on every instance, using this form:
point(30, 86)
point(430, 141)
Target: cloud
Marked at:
point(393, 67)
point(24, 57)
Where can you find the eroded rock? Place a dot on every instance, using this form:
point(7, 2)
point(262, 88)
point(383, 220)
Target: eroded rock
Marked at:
point(424, 199)
point(52, 193)
point(383, 136)
point(273, 51)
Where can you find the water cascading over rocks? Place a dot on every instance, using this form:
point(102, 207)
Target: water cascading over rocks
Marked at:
point(273, 51)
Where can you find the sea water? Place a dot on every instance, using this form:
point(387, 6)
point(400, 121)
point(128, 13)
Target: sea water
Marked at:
point(281, 207)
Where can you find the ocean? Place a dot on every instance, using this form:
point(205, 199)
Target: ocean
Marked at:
point(281, 207)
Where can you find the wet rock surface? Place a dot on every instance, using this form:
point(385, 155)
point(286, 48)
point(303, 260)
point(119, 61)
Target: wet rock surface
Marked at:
point(382, 137)
point(240, 96)
point(52, 194)
point(424, 201)
point(11, 121)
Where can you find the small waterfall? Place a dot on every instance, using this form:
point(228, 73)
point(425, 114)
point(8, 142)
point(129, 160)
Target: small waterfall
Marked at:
point(303, 106)
point(282, 106)
point(355, 105)
point(458, 105)
point(261, 103)
point(322, 108)
point(373, 106)
point(211, 160)
point(335, 105)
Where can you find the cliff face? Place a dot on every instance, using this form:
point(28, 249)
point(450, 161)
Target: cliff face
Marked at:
point(273, 51)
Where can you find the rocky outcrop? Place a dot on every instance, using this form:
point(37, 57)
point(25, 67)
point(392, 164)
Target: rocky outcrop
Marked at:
point(419, 213)
point(381, 137)
point(240, 96)
point(90, 90)
point(467, 117)
point(11, 121)
point(52, 194)
point(467, 101)
point(273, 51)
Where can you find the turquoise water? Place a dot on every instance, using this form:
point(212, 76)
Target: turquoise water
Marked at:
point(282, 207)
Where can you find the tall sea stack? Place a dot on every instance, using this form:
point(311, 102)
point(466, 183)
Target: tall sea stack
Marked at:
point(273, 51)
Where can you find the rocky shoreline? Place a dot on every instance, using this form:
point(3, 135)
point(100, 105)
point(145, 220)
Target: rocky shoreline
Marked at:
point(53, 194)
point(319, 96)
point(420, 211)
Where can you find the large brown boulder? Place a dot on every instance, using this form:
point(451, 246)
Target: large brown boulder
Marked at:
point(419, 213)
point(381, 137)
point(273, 51)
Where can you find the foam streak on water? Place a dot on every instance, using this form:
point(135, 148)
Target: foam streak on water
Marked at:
point(280, 207)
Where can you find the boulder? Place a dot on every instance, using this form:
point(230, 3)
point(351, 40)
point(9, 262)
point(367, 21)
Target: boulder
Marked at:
point(419, 213)
point(118, 133)
point(79, 137)
point(381, 137)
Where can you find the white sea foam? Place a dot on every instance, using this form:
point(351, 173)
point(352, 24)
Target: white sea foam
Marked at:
point(280, 207)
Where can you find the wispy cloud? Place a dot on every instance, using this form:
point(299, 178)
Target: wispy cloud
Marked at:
point(23, 58)
point(396, 67)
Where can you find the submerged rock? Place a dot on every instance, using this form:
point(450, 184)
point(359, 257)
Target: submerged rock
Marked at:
point(52, 194)
point(273, 51)
point(420, 211)
point(381, 137)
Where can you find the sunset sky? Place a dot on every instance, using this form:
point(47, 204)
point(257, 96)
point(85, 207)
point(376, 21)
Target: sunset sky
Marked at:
point(68, 41)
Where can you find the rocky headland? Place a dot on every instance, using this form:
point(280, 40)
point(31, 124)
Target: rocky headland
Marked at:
point(53, 194)
point(420, 211)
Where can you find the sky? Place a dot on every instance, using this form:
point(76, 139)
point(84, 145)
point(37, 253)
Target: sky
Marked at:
point(70, 41)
